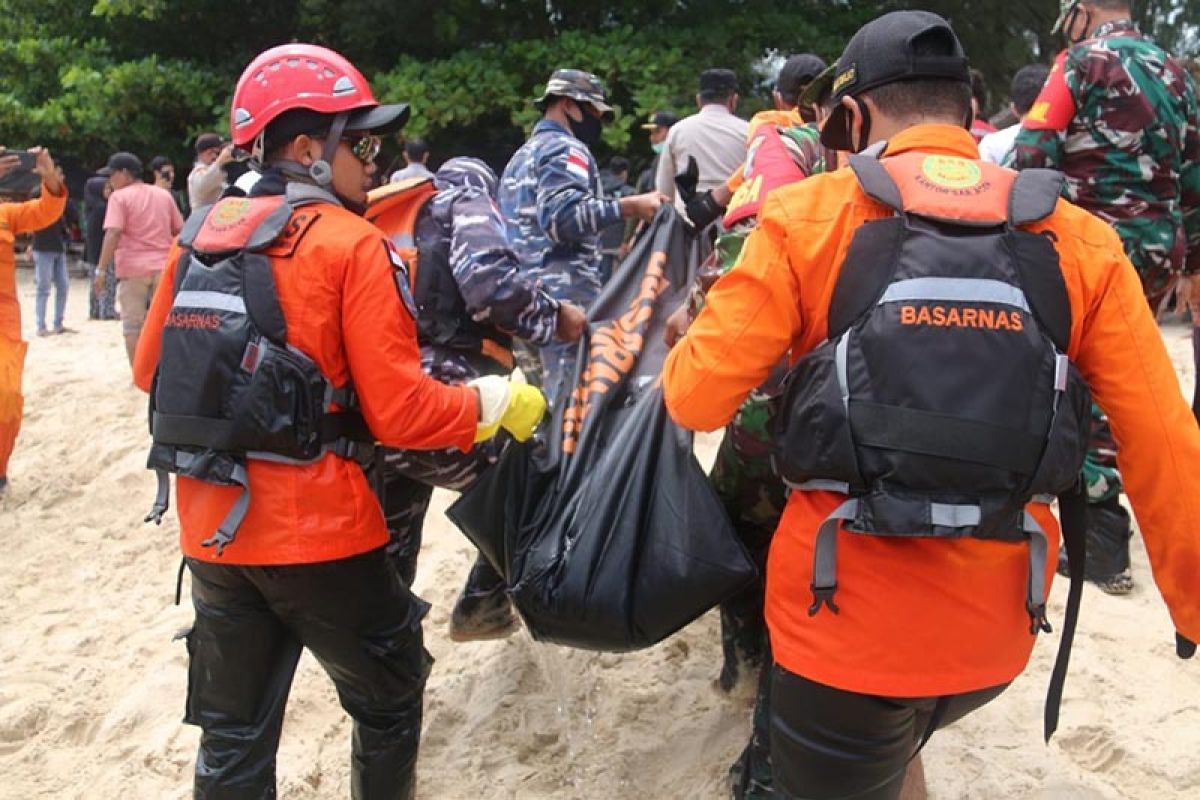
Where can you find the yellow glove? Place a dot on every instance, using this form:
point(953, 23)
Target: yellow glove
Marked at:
point(510, 404)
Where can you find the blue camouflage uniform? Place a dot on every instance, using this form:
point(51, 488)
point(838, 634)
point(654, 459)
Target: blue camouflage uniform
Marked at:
point(462, 223)
point(554, 209)
point(486, 269)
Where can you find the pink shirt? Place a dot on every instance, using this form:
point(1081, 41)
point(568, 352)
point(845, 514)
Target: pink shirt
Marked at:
point(149, 221)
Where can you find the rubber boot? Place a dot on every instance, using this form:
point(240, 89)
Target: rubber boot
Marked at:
point(750, 776)
point(483, 610)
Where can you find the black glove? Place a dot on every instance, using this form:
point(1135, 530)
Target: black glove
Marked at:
point(687, 180)
point(703, 210)
point(1185, 648)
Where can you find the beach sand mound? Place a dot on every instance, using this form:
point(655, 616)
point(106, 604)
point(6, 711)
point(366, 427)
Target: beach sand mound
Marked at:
point(92, 685)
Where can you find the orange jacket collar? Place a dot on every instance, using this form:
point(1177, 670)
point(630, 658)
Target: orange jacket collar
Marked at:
point(939, 139)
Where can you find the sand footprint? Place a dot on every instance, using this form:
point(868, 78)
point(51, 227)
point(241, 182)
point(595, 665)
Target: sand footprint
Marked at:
point(1092, 748)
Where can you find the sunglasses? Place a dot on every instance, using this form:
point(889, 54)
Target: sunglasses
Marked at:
point(365, 148)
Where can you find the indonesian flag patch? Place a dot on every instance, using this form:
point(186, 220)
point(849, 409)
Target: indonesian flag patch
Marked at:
point(577, 163)
point(1054, 108)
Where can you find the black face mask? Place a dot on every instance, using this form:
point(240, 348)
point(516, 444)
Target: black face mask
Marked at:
point(587, 130)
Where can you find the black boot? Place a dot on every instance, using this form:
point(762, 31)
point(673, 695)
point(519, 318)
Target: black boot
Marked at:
point(1108, 535)
point(483, 610)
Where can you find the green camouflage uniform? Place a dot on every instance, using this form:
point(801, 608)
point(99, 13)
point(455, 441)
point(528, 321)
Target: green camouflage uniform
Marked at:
point(1119, 118)
point(1131, 151)
point(754, 498)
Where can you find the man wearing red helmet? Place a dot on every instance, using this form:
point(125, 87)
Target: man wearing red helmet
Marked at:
point(297, 558)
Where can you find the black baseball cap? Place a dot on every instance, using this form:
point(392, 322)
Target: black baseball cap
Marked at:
point(797, 72)
point(884, 51)
point(660, 119)
point(126, 161)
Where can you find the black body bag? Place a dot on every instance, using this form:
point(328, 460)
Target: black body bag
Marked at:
point(605, 527)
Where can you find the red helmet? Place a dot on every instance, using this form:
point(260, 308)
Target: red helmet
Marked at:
point(306, 76)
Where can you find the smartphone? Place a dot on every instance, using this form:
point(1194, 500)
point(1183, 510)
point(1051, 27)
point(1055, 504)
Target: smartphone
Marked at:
point(26, 160)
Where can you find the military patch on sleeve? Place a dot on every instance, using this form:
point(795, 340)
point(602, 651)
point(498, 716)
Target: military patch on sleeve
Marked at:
point(401, 275)
point(1054, 108)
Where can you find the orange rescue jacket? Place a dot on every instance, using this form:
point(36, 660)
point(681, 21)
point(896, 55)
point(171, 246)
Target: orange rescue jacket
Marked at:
point(337, 288)
point(929, 617)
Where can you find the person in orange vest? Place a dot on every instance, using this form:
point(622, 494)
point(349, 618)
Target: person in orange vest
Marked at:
point(15, 219)
point(879, 639)
point(279, 348)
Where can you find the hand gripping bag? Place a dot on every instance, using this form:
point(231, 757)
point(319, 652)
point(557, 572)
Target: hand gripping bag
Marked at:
point(605, 526)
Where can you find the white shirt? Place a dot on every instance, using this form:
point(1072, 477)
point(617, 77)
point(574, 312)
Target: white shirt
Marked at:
point(205, 183)
point(996, 147)
point(714, 137)
point(414, 170)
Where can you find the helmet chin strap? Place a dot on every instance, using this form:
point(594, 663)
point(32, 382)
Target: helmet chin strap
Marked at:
point(322, 171)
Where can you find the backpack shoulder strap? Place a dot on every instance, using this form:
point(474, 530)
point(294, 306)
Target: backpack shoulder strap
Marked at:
point(393, 208)
point(238, 223)
point(1034, 196)
point(876, 182)
point(258, 276)
point(192, 226)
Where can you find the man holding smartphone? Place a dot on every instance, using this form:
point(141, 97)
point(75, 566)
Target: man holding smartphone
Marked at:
point(207, 178)
point(17, 218)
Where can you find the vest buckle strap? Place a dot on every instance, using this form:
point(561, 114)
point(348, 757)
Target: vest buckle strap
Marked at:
point(346, 448)
point(824, 575)
point(227, 531)
point(162, 500)
point(823, 595)
point(1035, 601)
point(1038, 623)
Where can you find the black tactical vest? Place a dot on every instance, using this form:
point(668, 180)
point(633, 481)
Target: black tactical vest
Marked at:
point(229, 387)
point(942, 401)
point(443, 319)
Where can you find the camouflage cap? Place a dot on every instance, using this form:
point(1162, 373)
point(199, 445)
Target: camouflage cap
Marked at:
point(1065, 7)
point(819, 88)
point(577, 85)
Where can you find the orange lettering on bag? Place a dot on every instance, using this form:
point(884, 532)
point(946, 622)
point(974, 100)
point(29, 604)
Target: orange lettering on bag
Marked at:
point(613, 351)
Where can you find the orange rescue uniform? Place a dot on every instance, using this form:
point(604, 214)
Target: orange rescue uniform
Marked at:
point(781, 119)
point(924, 617)
point(17, 218)
point(337, 288)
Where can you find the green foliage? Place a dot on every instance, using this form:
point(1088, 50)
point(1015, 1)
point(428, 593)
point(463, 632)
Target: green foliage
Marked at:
point(147, 75)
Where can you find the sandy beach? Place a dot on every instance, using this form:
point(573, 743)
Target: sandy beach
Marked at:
point(92, 685)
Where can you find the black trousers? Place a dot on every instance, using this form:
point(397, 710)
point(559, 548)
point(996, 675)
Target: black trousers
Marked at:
point(405, 487)
point(364, 627)
point(830, 744)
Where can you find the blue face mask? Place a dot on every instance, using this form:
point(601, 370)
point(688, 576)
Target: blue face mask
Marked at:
point(658, 147)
